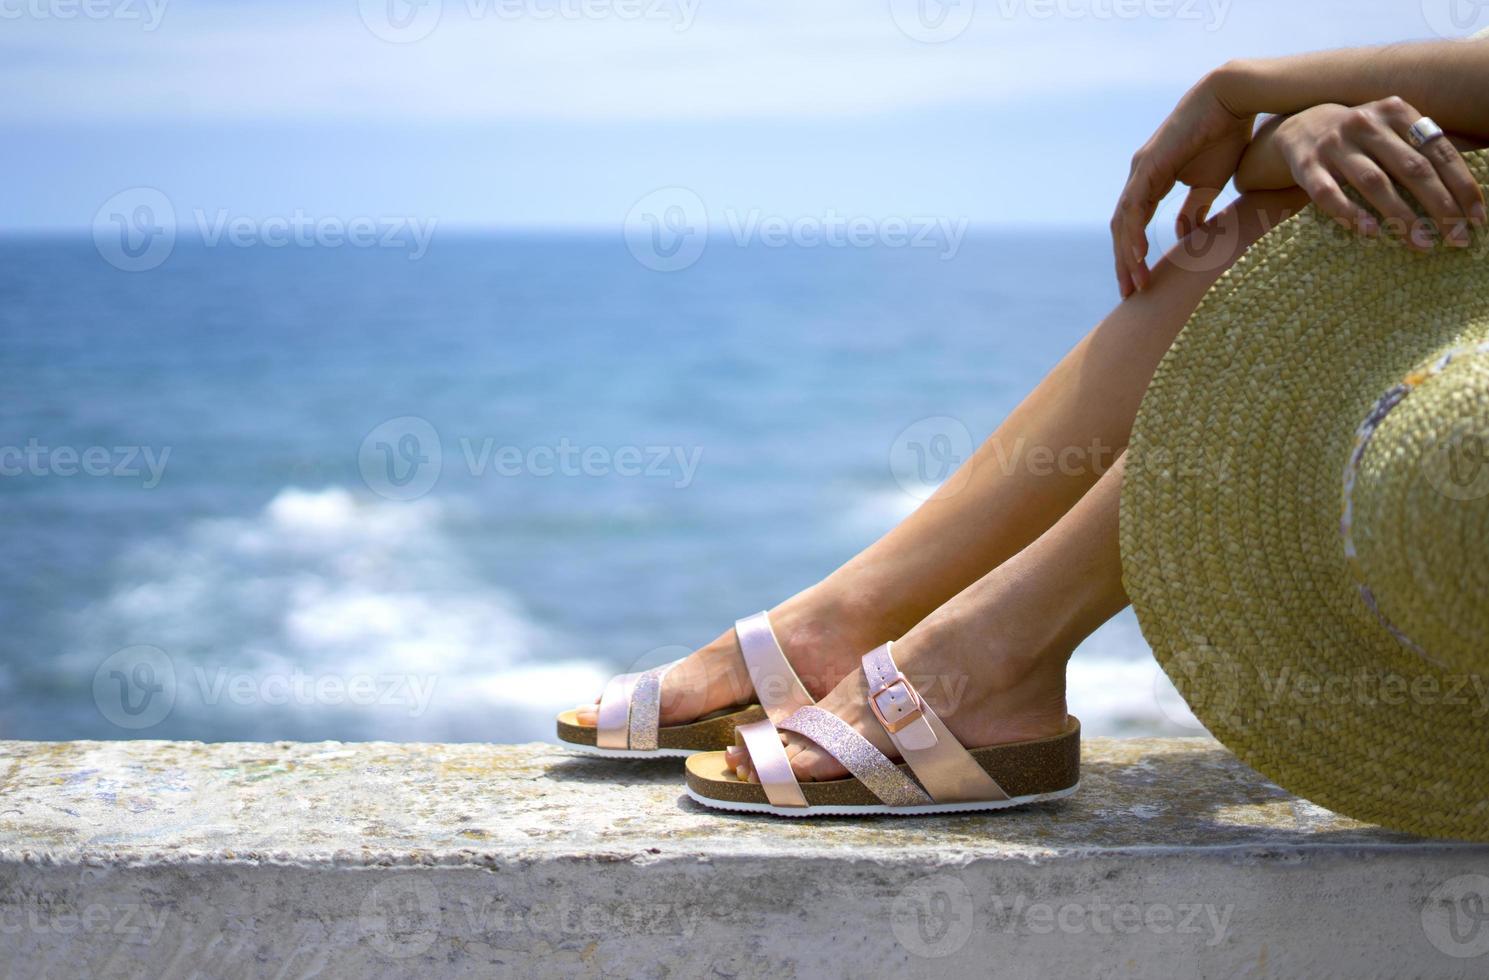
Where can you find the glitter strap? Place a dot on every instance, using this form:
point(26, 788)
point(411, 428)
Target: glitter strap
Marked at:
point(1382, 408)
point(857, 754)
point(630, 710)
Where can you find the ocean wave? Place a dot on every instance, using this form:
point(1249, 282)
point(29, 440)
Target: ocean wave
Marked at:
point(325, 612)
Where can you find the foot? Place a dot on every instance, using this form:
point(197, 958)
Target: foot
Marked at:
point(822, 635)
point(989, 688)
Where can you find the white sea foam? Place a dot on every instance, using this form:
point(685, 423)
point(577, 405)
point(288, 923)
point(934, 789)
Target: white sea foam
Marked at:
point(324, 590)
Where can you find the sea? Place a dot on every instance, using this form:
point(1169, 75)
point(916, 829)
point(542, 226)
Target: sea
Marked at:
point(285, 491)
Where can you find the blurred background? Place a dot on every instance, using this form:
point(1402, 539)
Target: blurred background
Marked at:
point(403, 369)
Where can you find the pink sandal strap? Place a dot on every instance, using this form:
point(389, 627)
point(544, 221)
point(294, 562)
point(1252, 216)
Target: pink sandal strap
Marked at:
point(777, 688)
point(768, 757)
point(857, 754)
point(943, 766)
point(630, 710)
point(613, 724)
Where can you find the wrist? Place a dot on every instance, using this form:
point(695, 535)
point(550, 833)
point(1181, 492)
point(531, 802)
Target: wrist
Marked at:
point(1235, 84)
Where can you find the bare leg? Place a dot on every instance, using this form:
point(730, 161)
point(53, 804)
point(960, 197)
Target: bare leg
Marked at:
point(991, 662)
point(989, 510)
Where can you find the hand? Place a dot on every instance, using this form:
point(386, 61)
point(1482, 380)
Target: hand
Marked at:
point(1199, 145)
point(1366, 147)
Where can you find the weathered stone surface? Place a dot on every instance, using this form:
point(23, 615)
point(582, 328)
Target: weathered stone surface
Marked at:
point(167, 859)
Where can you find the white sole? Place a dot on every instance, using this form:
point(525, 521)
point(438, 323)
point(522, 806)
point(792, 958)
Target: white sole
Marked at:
point(879, 808)
point(597, 752)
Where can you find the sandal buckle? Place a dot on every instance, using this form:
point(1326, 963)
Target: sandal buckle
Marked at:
point(909, 717)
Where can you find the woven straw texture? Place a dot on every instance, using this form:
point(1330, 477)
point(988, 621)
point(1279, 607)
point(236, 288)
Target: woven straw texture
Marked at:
point(1231, 532)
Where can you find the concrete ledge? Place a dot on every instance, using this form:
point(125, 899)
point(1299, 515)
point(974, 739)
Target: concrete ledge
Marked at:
point(170, 859)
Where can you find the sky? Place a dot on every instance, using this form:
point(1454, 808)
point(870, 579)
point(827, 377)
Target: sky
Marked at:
point(563, 114)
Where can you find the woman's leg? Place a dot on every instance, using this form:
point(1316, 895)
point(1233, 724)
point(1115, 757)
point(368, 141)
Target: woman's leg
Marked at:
point(991, 662)
point(995, 504)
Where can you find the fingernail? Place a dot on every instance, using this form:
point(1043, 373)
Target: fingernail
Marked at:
point(1478, 215)
point(1422, 238)
point(1369, 226)
point(1458, 237)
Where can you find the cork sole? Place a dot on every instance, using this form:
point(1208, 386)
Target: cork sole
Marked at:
point(707, 734)
point(1029, 772)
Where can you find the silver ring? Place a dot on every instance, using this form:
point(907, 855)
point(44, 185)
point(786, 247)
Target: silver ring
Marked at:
point(1424, 131)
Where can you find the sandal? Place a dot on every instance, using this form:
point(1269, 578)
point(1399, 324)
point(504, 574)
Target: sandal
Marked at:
point(937, 776)
point(630, 707)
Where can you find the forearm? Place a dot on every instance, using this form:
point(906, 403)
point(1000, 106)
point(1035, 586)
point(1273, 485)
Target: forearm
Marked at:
point(1444, 79)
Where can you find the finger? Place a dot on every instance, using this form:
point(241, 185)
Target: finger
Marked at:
point(1135, 217)
point(1375, 185)
point(1145, 188)
point(1124, 281)
point(1326, 193)
point(1195, 210)
point(1459, 180)
point(1418, 174)
point(1124, 273)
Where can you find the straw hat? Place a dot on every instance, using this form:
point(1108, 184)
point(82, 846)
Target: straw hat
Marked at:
point(1305, 521)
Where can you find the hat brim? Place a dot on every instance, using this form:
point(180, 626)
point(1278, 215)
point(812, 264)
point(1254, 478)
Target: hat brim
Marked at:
point(1231, 545)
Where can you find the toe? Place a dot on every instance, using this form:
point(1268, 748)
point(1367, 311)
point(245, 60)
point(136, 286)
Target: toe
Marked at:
point(811, 763)
point(588, 716)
